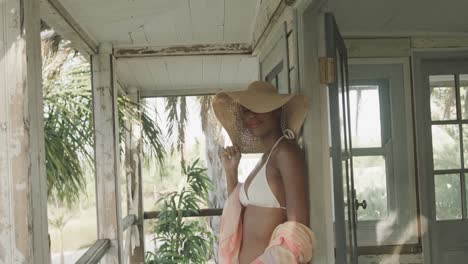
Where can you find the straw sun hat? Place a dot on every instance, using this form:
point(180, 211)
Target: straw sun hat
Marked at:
point(260, 97)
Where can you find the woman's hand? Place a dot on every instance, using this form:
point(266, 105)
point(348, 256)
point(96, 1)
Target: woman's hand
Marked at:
point(231, 157)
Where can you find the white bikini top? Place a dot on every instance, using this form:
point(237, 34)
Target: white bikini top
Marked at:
point(260, 193)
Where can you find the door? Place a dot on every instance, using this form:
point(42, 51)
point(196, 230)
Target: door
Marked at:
point(340, 134)
point(444, 84)
point(383, 155)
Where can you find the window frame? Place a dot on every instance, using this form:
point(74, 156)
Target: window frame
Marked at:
point(405, 176)
point(462, 172)
point(385, 150)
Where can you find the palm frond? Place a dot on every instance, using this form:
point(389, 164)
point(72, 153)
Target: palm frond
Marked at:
point(205, 108)
point(68, 119)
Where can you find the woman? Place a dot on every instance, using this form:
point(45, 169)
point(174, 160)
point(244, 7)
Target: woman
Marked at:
point(265, 218)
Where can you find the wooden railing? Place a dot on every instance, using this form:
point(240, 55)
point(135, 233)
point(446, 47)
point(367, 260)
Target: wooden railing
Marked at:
point(199, 213)
point(95, 253)
point(128, 221)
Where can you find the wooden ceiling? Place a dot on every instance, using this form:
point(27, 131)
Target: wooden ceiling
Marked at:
point(177, 75)
point(136, 23)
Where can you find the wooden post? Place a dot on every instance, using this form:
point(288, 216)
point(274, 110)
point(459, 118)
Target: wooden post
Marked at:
point(23, 186)
point(133, 167)
point(106, 136)
point(315, 135)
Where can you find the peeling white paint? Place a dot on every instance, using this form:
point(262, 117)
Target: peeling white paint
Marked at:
point(21, 186)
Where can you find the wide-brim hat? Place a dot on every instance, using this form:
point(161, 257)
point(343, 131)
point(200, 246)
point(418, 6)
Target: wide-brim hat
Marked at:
point(260, 97)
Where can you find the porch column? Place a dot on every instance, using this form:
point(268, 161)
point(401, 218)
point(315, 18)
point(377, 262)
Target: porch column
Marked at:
point(23, 186)
point(134, 176)
point(106, 136)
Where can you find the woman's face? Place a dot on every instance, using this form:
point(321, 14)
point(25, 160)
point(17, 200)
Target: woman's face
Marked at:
point(260, 125)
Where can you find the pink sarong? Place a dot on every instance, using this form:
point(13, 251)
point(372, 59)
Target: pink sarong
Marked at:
point(291, 242)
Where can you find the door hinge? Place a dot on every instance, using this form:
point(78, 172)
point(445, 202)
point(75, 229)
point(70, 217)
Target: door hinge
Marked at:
point(327, 70)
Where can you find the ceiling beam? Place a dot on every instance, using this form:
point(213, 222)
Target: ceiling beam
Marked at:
point(194, 90)
point(57, 17)
point(189, 50)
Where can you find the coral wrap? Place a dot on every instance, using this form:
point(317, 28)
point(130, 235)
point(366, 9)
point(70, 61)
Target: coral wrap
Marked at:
point(291, 242)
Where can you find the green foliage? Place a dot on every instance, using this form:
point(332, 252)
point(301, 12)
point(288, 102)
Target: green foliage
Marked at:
point(68, 132)
point(176, 107)
point(184, 240)
point(68, 122)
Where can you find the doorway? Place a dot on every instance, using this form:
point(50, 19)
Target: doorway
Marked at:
point(442, 139)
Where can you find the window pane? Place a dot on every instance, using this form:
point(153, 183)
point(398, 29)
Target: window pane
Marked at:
point(446, 146)
point(465, 144)
point(464, 95)
point(370, 182)
point(443, 106)
point(466, 191)
point(447, 196)
point(365, 116)
point(341, 109)
point(345, 189)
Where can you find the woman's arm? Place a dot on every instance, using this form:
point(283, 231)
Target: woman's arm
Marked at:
point(291, 165)
point(231, 157)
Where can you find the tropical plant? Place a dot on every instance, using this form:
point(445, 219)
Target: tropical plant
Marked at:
point(183, 240)
point(68, 124)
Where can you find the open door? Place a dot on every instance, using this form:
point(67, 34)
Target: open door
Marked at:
point(340, 134)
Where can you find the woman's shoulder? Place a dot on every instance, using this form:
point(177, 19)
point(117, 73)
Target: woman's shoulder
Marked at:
point(288, 145)
point(289, 148)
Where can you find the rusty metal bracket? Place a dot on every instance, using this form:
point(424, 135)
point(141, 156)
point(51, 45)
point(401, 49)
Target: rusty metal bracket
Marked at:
point(327, 68)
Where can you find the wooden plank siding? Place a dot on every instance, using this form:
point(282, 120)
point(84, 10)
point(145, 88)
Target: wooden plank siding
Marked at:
point(23, 186)
point(136, 24)
point(158, 76)
point(106, 135)
point(272, 15)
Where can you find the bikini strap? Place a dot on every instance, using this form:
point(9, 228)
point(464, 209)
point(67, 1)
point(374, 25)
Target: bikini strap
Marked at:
point(274, 146)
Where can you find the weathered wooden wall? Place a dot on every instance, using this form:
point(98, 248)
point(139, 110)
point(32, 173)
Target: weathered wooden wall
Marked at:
point(272, 15)
point(311, 32)
point(23, 187)
point(315, 136)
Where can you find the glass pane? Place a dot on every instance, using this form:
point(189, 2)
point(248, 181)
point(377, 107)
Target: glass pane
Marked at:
point(345, 189)
point(365, 116)
point(446, 146)
point(341, 107)
point(370, 182)
point(447, 196)
point(443, 106)
point(464, 95)
point(466, 191)
point(465, 144)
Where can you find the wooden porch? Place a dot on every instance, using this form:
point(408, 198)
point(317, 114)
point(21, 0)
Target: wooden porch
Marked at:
point(172, 48)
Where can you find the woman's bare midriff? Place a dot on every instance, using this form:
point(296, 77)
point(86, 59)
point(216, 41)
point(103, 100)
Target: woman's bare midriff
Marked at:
point(258, 225)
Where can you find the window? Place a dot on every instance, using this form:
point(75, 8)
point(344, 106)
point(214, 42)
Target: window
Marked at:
point(372, 146)
point(383, 151)
point(449, 114)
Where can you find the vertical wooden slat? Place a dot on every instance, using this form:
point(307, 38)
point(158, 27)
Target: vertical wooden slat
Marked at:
point(106, 136)
point(23, 189)
point(133, 167)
